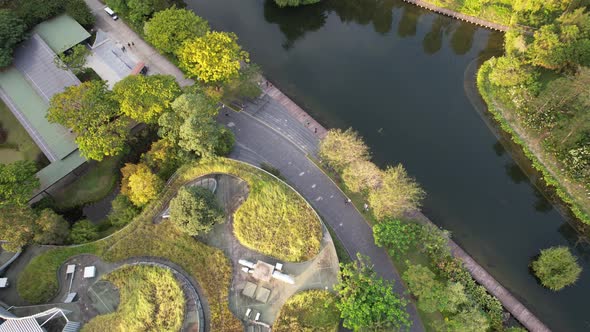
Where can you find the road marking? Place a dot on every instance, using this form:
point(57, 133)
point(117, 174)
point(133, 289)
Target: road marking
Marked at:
point(319, 198)
point(341, 224)
point(313, 186)
point(301, 174)
point(231, 124)
point(331, 196)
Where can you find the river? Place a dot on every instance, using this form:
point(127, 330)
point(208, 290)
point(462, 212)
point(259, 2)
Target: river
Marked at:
point(395, 73)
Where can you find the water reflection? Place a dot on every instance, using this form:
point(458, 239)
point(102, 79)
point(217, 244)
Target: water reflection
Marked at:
point(294, 23)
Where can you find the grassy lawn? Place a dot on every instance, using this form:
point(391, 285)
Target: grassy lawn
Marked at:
point(312, 310)
point(38, 283)
point(98, 182)
point(18, 145)
point(150, 299)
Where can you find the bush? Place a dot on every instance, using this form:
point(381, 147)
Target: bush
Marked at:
point(312, 310)
point(122, 211)
point(151, 299)
point(225, 143)
point(195, 211)
point(83, 231)
point(51, 228)
point(395, 235)
point(556, 268)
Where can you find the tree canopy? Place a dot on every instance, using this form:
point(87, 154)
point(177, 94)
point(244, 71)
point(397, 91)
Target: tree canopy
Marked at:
point(90, 110)
point(556, 268)
point(17, 182)
point(169, 28)
point(367, 301)
point(361, 175)
point(341, 148)
point(194, 210)
point(312, 310)
point(52, 228)
point(17, 226)
point(145, 98)
point(215, 57)
point(509, 71)
point(140, 184)
point(295, 3)
point(83, 231)
point(74, 59)
point(398, 193)
point(12, 31)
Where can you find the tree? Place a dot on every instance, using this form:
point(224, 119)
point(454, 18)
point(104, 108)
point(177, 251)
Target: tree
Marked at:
point(90, 110)
point(432, 294)
point(367, 301)
point(145, 98)
point(122, 211)
point(556, 268)
point(73, 60)
point(397, 194)
point(140, 184)
point(312, 310)
point(12, 32)
point(163, 158)
point(17, 182)
point(295, 3)
point(213, 58)
point(195, 211)
point(169, 28)
point(83, 231)
point(51, 228)
point(79, 11)
point(192, 126)
point(341, 148)
point(563, 44)
point(395, 235)
point(468, 320)
point(361, 175)
point(509, 71)
point(17, 226)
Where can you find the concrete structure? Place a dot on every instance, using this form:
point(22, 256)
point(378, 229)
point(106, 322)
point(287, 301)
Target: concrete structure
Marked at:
point(89, 272)
point(35, 323)
point(27, 87)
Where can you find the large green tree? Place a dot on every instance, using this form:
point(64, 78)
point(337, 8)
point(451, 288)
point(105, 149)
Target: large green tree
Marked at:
point(74, 59)
point(215, 57)
point(169, 28)
point(17, 182)
point(396, 236)
point(556, 268)
point(83, 231)
point(192, 126)
point(367, 302)
point(341, 148)
point(17, 226)
point(90, 110)
point(564, 44)
point(397, 194)
point(145, 98)
point(509, 71)
point(194, 210)
point(12, 31)
point(51, 228)
point(434, 295)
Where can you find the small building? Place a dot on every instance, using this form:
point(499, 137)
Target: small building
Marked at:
point(4, 282)
point(89, 272)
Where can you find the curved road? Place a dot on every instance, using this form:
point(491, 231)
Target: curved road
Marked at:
point(260, 138)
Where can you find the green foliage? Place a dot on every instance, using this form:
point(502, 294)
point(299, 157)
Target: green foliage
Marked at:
point(74, 59)
point(145, 98)
point(294, 3)
point(432, 294)
point(17, 182)
point(468, 320)
point(83, 231)
point(90, 110)
point(556, 268)
point(225, 142)
point(396, 235)
point(192, 126)
point(397, 194)
point(151, 299)
point(51, 228)
point(122, 211)
point(195, 210)
point(341, 148)
point(138, 11)
point(361, 175)
point(434, 242)
point(509, 71)
point(140, 184)
point(17, 226)
point(12, 31)
point(312, 310)
point(245, 85)
point(563, 44)
point(367, 301)
point(164, 158)
point(79, 11)
point(169, 28)
point(215, 57)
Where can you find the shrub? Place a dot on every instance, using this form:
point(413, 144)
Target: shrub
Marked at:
point(51, 228)
point(122, 211)
point(395, 235)
point(312, 310)
point(556, 268)
point(194, 210)
point(83, 231)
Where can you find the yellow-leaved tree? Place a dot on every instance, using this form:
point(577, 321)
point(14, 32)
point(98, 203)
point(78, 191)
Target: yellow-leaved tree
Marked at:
point(140, 184)
point(215, 57)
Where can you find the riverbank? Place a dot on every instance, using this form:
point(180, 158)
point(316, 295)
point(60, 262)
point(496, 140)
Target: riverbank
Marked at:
point(573, 194)
point(509, 302)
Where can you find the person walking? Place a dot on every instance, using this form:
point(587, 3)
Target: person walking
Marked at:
point(129, 44)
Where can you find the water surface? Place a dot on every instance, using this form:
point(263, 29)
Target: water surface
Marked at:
point(395, 73)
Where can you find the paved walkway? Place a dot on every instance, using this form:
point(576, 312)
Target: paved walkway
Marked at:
point(118, 29)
